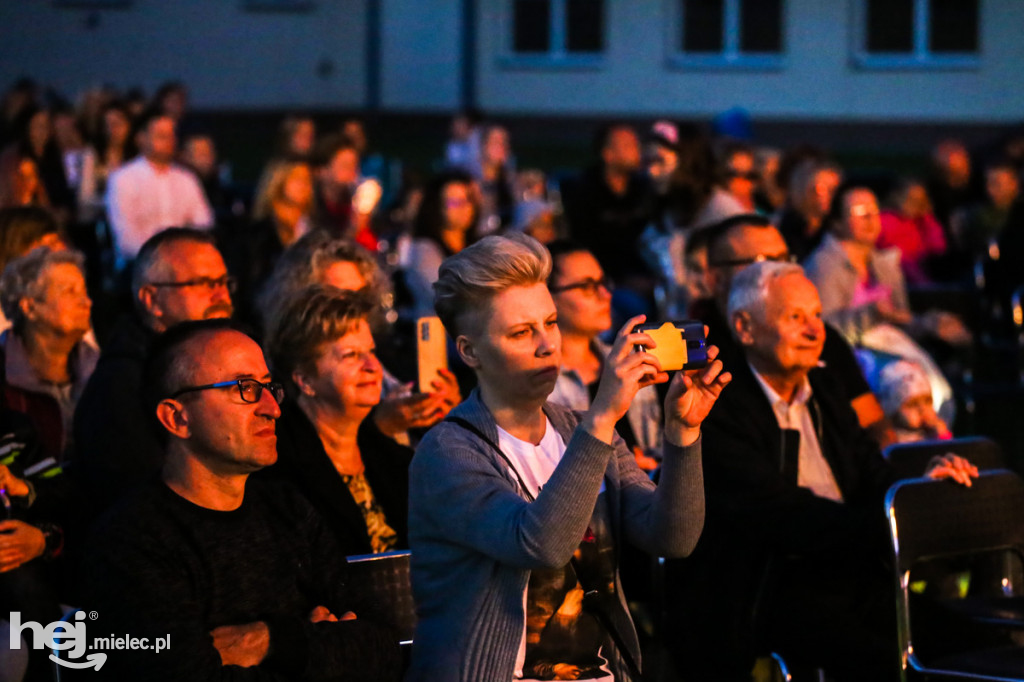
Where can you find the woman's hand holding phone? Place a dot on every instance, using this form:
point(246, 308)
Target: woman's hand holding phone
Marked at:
point(625, 372)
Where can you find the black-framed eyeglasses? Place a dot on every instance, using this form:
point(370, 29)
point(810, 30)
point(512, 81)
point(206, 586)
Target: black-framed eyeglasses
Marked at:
point(588, 286)
point(743, 262)
point(208, 283)
point(250, 390)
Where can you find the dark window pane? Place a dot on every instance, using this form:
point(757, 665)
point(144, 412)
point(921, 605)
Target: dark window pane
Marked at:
point(954, 26)
point(761, 26)
point(531, 26)
point(702, 25)
point(584, 25)
point(890, 26)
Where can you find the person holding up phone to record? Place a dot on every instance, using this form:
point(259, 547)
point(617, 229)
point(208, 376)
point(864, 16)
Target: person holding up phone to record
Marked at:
point(517, 504)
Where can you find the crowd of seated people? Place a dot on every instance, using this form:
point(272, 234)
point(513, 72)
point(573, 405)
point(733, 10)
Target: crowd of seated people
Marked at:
point(193, 442)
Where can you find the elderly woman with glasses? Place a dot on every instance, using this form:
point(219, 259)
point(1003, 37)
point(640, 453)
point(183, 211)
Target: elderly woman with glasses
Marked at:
point(354, 475)
point(582, 296)
point(46, 359)
point(517, 505)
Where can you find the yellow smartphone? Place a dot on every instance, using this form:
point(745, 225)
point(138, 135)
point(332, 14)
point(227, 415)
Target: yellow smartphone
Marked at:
point(681, 345)
point(431, 351)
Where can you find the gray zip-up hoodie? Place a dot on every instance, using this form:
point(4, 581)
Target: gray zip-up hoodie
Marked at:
point(474, 537)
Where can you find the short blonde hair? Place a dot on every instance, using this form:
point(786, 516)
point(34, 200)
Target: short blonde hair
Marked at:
point(468, 280)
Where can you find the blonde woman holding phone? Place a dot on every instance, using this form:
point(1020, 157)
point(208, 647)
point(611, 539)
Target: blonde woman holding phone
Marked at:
point(517, 506)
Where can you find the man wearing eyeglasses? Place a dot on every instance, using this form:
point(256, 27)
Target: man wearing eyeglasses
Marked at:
point(179, 276)
point(234, 572)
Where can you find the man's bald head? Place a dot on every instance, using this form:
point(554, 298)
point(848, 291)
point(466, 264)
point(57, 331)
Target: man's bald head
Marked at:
point(738, 242)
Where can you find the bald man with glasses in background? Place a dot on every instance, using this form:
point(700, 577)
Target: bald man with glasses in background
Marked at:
point(179, 276)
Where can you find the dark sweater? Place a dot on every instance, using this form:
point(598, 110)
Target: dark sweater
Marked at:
point(161, 565)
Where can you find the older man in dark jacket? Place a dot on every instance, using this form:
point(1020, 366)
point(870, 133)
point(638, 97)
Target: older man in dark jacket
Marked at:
point(793, 554)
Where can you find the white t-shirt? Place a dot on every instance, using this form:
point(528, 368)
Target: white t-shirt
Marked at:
point(535, 464)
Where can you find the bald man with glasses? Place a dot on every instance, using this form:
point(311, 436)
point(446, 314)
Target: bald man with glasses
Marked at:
point(242, 576)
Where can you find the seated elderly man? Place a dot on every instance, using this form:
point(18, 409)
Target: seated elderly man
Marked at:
point(792, 557)
point(735, 243)
point(242, 576)
point(178, 276)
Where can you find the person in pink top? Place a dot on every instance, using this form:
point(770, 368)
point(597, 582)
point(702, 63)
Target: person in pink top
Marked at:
point(911, 227)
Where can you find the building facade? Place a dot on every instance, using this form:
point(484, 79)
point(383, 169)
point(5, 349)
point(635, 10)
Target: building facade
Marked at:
point(941, 61)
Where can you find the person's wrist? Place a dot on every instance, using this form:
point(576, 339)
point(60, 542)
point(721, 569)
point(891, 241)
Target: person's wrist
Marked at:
point(681, 435)
point(599, 425)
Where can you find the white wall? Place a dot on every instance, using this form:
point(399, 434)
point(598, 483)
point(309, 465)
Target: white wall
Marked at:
point(421, 45)
point(230, 58)
point(817, 81)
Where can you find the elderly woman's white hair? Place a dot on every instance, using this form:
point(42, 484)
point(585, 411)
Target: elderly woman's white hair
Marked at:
point(21, 279)
point(750, 286)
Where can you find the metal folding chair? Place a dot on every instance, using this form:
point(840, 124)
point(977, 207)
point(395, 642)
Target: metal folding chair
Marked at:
point(932, 520)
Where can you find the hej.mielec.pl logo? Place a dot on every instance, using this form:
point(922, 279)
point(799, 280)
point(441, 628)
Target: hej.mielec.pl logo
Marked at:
point(69, 642)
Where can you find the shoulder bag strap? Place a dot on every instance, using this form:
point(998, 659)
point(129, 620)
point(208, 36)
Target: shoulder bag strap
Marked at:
point(597, 607)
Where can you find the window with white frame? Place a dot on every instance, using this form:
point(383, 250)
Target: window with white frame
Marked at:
point(557, 30)
point(909, 33)
point(748, 33)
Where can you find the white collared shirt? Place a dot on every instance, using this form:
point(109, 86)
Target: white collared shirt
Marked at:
point(813, 470)
point(142, 201)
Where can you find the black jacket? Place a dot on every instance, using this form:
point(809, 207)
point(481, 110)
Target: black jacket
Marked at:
point(302, 460)
point(759, 519)
point(117, 446)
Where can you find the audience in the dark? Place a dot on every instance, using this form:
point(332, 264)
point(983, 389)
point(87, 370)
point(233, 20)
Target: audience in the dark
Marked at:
point(22, 229)
point(982, 224)
point(319, 259)
point(738, 174)
point(949, 184)
point(35, 141)
point(281, 215)
point(247, 573)
point(583, 298)
point(518, 506)
point(610, 204)
point(740, 241)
